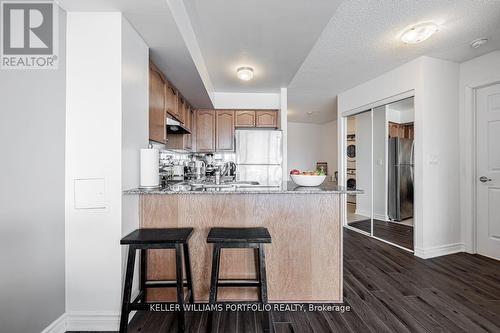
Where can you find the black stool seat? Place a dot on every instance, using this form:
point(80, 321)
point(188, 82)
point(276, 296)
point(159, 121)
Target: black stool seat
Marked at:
point(144, 240)
point(237, 238)
point(239, 235)
point(157, 236)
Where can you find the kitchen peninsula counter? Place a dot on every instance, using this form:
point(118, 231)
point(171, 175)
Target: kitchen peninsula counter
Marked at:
point(304, 260)
point(288, 187)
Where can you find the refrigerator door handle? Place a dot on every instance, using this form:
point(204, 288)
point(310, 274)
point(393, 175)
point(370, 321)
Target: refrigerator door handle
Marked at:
point(412, 160)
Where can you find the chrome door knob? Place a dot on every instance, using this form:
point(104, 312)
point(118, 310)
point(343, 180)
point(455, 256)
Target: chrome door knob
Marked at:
point(484, 179)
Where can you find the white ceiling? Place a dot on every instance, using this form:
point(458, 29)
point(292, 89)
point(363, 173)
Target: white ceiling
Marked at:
point(272, 36)
point(153, 20)
point(361, 42)
point(316, 48)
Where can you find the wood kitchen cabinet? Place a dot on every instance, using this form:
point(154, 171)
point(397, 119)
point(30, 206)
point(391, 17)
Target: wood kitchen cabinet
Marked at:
point(268, 118)
point(215, 128)
point(181, 110)
point(224, 129)
point(244, 118)
point(157, 114)
point(183, 141)
point(205, 130)
point(188, 123)
point(403, 131)
point(172, 100)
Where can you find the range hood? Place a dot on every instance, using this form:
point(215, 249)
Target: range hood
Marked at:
point(175, 127)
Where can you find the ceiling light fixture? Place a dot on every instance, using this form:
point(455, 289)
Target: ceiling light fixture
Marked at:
point(245, 73)
point(478, 42)
point(418, 33)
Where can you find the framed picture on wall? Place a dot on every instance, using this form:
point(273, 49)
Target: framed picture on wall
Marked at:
point(322, 166)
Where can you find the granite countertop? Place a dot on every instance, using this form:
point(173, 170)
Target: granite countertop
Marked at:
point(286, 187)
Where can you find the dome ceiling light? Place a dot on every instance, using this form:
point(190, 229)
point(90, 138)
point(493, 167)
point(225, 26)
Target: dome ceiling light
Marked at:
point(418, 33)
point(245, 73)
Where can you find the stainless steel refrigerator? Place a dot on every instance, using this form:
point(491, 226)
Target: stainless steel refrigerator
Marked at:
point(401, 175)
point(259, 156)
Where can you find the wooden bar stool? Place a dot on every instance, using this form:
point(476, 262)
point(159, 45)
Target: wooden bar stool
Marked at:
point(235, 238)
point(147, 239)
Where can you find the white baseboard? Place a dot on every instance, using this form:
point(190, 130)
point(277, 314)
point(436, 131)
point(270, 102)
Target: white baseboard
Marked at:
point(85, 321)
point(57, 326)
point(438, 251)
point(92, 321)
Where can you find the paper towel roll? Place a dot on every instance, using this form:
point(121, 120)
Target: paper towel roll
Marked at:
point(150, 167)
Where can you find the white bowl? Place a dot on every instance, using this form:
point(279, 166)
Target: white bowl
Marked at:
point(308, 180)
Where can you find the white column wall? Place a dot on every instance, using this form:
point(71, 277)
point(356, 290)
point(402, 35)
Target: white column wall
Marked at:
point(434, 83)
point(93, 150)
point(135, 129)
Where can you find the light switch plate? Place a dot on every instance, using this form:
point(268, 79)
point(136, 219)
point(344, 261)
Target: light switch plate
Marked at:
point(432, 159)
point(89, 193)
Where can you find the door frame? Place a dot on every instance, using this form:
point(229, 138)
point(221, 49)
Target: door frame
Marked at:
point(468, 151)
point(342, 164)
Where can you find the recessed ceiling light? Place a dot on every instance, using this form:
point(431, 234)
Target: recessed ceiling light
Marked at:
point(418, 33)
point(478, 42)
point(309, 113)
point(245, 73)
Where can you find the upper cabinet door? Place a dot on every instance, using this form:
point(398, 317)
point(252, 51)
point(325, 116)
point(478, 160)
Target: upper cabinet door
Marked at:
point(172, 102)
point(225, 130)
point(181, 113)
point(205, 130)
point(266, 119)
point(244, 118)
point(188, 123)
point(157, 129)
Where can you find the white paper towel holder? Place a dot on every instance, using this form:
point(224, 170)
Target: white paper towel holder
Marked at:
point(149, 187)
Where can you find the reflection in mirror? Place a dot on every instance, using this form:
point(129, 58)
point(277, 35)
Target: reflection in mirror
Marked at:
point(393, 172)
point(358, 162)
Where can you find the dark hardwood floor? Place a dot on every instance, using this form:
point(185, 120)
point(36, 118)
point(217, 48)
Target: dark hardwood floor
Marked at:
point(396, 233)
point(388, 289)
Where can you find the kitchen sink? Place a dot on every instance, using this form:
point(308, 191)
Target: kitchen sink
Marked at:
point(229, 184)
point(244, 183)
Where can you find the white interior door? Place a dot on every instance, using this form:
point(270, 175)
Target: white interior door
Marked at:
point(488, 171)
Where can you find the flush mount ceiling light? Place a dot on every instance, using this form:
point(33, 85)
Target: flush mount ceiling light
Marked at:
point(245, 73)
point(478, 42)
point(418, 33)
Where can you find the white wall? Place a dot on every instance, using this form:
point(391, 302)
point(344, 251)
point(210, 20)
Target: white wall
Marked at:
point(93, 150)
point(135, 130)
point(435, 85)
point(474, 73)
point(224, 100)
point(32, 127)
point(309, 143)
point(304, 146)
point(107, 124)
point(329, 146)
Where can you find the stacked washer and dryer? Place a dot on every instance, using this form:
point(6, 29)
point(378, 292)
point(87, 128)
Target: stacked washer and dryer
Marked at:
point(351, 165)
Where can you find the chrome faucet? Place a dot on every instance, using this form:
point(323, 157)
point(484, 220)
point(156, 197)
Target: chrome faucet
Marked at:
point(217, 176)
